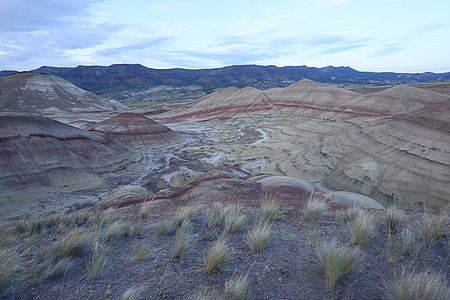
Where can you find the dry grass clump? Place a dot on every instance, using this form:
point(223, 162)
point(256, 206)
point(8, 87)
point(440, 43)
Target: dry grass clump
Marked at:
point(38, 272)
point(353, 213)
point(392, 217)
point(314, 209)
point(72, 243)
point(419, 286)
point(336, 261)
point(206, 294)
point(394, 248)
point(361, 230)
point(270, 208)
point(237, 288)
point(162, 228)
point(233, 220)
point(410, 245)
point(184, 214)
point(132, 293)
point(433, 227)
point(142, 252)
point(213, 214)
point(312, 239)
point(10, 265)
point(182, 240)
point(257, 238)
point(217, 256)
point(116, 231)
point(97, 262)
point(145, 210)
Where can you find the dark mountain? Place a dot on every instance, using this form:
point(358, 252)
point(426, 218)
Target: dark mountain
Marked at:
point(121, 81)
point(7, 72)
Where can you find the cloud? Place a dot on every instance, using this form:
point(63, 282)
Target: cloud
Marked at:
point(388, 49)
point(142, 45)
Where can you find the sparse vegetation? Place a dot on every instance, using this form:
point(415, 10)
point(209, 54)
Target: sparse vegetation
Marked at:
point(132, 293)
point(237, 288)
point(392, 218)
point(145, 210)
point(72, 243)
point(312, 239)
point(354, 213)
point(206, 294)
point(336, 261)
point(184, 214)
point(257, 238)
point(182, 240)
point(10, 266)
point(361, 230)
point(213, 214)
point(161, 228)
point(410, 245)
point(433, 227)
point(314, 209)
point(217, 256)
point(117, 230)
point(270, 208)
point(418, 286)
point(141, 252)
point(394, 248)
point(97, 262)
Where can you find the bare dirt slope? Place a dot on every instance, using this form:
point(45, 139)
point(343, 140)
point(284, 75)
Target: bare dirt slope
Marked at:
point(40, 156)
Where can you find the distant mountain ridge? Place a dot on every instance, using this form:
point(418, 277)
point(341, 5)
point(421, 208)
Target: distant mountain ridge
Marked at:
point(113, 80)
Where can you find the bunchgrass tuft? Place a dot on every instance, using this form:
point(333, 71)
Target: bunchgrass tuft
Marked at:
point(205, 294)
point(213, 214)
point(394, 248)
point(142, 252)
point(353, 213)
point(72, 244)
point(182, 239)
point(132, 293)
point(233, 221)
point(270, 207)
point(312, 239)
point(184, 214)
point(145, 210)
point(117, 231)
point(314, 209)
point(257, 238)
point(393, 217)
point(10, 265)
point(336, 261)
point(237, 288)
point(97, 262)
point(410, 245)
point(433, 227)
point(418, 286)
point(162, 228)
point(361, 230)
point(217, 256)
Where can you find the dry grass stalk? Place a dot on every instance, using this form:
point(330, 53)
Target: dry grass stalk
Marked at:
point(270, 207)
point(361, 230)
point(237, 288)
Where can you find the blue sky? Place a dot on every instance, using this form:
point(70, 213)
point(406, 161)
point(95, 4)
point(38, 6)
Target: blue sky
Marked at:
point(368, 35)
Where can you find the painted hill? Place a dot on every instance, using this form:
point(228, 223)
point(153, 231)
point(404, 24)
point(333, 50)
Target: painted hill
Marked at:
point(391, 145)
point(40, 157)
point(136, 130)
point(46, 93)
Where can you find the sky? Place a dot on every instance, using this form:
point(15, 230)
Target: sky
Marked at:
point(367, 35)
